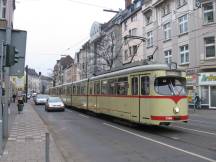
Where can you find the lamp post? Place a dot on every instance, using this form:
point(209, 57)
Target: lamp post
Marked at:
point(26, 87)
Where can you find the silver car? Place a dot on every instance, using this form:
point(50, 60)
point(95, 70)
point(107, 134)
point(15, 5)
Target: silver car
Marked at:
point(41, 99)
point(54, 103)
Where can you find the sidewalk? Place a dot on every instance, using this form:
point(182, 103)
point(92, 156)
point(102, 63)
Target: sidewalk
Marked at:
point(26, 142)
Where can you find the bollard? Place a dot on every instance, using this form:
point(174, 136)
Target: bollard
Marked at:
point(47, 147)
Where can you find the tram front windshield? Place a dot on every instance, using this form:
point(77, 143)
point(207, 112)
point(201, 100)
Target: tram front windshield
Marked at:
point(174, 86)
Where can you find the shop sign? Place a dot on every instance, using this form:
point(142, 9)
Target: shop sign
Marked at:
point(207, 79)
point(191, 79)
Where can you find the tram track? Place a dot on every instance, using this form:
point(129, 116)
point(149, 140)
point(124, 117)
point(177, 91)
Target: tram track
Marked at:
point(170, 134)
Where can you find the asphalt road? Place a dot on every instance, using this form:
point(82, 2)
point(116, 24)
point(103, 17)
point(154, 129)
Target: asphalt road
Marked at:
point(83, 137)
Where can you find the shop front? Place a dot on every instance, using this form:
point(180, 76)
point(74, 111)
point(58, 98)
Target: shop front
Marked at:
point(207, 89)
point(191, 86)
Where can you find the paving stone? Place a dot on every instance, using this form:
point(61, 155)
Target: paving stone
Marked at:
point(26, 142)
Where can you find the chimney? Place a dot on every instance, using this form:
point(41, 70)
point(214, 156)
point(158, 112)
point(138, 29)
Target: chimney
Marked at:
point(127, 3)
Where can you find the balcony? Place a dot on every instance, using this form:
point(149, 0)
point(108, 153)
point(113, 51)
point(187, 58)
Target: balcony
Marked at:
point(3, 23)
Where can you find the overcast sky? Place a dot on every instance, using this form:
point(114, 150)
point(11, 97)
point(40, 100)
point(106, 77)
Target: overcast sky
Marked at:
point(57, 27)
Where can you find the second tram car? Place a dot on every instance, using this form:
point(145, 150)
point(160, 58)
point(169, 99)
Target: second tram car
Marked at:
point(148, 94)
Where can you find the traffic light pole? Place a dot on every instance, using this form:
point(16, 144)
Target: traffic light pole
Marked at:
point(1, 105)
point(7, 82)
point(26, 83)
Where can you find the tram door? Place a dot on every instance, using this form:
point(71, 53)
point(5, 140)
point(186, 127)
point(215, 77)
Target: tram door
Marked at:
point(140, 90)
point(134, 99)
point(144, 98)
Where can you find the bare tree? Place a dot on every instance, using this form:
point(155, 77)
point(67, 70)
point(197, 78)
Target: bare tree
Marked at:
point(108, 50)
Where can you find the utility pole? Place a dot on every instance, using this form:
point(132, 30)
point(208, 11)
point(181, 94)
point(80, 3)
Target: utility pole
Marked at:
point(7, 81)
point(1, 104)
point(26, 86)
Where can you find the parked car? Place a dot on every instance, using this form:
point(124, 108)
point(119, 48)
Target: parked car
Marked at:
point(54, 103)
point(41, 99)
point(28, 95)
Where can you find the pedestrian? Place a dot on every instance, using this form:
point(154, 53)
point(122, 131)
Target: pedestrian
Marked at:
point(197, 101)
point(14, 98)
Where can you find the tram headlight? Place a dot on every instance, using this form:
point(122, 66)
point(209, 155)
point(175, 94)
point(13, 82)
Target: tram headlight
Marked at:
point(176, 110)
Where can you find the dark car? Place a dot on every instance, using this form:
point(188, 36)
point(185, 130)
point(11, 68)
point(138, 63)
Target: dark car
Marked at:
point(54, 103)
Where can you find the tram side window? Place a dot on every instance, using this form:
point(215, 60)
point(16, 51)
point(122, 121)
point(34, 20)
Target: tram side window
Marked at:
point(112, 87)
point(97, 88)
point(104, 87)
point(134, 86)
point(82, 89)
point(74, 90)
point(145, 90)
point(91, 88)
point(122, 86)
point(78, 89)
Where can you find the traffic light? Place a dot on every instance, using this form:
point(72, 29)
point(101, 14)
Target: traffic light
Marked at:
point(11, 55)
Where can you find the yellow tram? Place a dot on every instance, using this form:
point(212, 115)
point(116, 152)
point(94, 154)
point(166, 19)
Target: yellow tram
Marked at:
point(148, 94)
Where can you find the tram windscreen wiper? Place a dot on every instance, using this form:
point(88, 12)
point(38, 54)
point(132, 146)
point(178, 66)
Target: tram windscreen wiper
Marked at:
point(171, 87)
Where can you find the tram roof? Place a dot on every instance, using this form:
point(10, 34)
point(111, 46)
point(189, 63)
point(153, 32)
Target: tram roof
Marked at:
point(126, 71)
point(134, 69)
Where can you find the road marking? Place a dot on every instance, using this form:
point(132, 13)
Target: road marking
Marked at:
point(161, 143)
point(204, 122)
point(83, 116)
point(195, 130)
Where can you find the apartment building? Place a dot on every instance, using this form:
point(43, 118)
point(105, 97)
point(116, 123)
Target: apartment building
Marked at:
point(183, 31)
point(7, 8)
point(132, 26)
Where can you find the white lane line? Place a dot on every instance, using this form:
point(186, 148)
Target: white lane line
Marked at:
point(195, 130)
point(83, 116)
point(161, 143)
point(204, 122)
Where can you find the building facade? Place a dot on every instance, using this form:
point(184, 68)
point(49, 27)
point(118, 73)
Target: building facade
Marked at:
point(132, 26)
point(60, 66)
point(183, 31)
point(70, 74)
point(33, 81)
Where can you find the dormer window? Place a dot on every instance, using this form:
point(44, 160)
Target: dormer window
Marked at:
point(134, 18)
point(181, 3)
point(165, 9)
point(148, 17)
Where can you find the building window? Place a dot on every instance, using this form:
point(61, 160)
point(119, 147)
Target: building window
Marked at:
point(209, 47)
point(125, 25)
point(3, 9)
point(168, 56)
point(148, 17)
point(165, 9)
point(167, 31)
point(208, 13)
point(181, 3)
point(133, 32)
point(184, 54)
point(134, 18)
point(183, 24)
point(135, 47)
point(150, 39)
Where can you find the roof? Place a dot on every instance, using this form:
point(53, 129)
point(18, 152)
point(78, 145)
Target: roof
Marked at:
point(32, 72)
